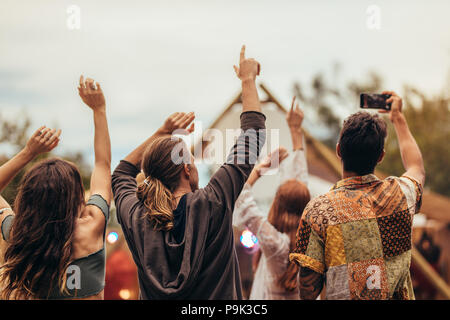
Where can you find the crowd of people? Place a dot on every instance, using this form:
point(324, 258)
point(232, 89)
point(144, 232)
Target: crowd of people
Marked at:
point(355, 240)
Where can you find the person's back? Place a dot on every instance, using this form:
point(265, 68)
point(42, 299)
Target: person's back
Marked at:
point(181, 237)
point(54, 241)
point(358, 235)
point(365, 225)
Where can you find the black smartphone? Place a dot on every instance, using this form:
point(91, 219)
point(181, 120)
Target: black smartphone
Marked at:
point(374, 101)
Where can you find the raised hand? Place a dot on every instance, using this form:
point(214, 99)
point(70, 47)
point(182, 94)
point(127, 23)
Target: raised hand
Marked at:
point(295, 116)
point(248, 68)
point(294, 119)
point(91, 94)
point(409, 150)
point(43, 140)
point(273, 159)
point(179, 121)
point(396, 105)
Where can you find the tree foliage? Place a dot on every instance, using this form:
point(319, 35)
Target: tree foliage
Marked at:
point(429, 122)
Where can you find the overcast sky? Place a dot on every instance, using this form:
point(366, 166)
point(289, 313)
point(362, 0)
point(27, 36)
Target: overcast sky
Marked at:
point(157, 57)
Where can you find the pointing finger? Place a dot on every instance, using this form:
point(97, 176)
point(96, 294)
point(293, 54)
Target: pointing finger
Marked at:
point(242, 56)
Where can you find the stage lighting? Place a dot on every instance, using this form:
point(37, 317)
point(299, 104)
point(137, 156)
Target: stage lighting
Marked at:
point(248, 239)
point(112, 237)
point(125, 294)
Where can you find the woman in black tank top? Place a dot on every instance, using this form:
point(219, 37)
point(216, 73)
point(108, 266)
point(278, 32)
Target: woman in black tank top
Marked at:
point(52, 245)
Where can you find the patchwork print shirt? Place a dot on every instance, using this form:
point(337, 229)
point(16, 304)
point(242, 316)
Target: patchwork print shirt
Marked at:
point(359, 236)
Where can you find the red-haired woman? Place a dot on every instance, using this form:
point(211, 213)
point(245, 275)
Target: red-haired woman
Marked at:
point(53, 243)
point(276, 277)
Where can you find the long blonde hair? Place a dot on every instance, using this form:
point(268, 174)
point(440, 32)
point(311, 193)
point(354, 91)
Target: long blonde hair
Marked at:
point(162, 178)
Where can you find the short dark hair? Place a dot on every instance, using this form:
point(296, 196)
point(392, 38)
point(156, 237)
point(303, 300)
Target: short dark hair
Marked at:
point(362, 142)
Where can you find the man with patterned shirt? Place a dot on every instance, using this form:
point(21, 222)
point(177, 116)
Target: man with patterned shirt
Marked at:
point(356, 239)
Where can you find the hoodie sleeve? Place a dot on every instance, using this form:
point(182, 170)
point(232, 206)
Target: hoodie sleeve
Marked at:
point(226, 184)
point(124, 187)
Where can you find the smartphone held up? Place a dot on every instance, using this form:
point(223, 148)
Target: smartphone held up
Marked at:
point(374, 101)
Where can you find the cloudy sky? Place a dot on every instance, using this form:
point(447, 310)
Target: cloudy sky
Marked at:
point(157, 57)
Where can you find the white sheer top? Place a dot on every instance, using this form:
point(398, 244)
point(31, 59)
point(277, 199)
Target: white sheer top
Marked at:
point(274, 244)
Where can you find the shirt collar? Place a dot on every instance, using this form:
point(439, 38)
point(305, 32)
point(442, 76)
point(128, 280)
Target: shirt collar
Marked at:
point(356, 180)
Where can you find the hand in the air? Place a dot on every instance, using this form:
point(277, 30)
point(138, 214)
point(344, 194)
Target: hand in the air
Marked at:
point(248, 68)
point(295, 116)
point(272, 161)
point(43, 140)
point(179, 121)
point(91, 93)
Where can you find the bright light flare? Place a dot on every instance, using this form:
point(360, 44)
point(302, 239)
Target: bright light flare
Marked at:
point(112, 237)
point(125, 294)
point(248, 239)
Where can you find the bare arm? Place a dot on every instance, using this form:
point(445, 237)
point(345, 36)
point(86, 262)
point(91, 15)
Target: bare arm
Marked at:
point(92, 96)
point(43, 140)
point(409, 150)
point(177, 121)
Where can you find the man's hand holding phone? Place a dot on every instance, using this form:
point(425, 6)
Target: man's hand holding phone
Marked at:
point(396, 106)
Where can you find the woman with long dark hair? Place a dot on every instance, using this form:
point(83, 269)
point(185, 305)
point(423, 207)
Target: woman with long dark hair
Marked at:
point(53, 242)
point(276, 277)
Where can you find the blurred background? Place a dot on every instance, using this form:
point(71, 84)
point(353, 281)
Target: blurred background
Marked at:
point(154, 58)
